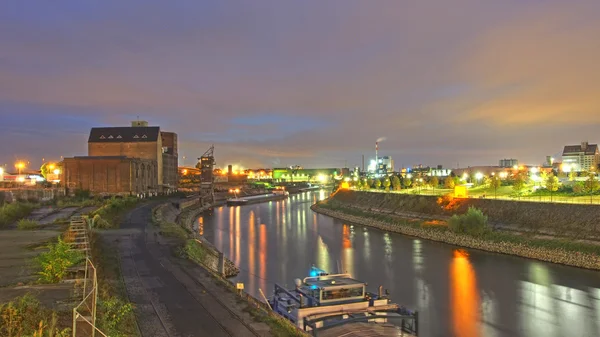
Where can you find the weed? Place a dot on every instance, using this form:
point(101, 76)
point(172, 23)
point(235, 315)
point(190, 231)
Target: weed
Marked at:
point(27, 224)
point(55, 262)
point(113, 209)
point(10, 213)
point(113, 312)
point(25, 316)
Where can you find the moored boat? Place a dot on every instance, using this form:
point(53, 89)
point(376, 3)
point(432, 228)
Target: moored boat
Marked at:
point(333, 305)
point(276, 195)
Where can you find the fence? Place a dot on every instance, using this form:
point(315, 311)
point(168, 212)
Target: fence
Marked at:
point(84, 314)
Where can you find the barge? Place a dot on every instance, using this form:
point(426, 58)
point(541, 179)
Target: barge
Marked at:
point(334, 305)
point(275, 195)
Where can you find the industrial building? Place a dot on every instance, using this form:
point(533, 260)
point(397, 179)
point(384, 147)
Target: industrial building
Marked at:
point(140, 159)
point(579, 158)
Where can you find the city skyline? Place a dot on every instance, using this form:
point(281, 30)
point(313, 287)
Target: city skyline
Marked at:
point(276, 84)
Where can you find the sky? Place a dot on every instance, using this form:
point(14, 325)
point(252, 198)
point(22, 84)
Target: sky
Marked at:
point(311, 83)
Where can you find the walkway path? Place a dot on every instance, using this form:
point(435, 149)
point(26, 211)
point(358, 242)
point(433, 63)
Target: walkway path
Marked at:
point(168, 301)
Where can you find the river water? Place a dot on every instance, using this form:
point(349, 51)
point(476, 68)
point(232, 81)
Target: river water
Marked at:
point(466, 293)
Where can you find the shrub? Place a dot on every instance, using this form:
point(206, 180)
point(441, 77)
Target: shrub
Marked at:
point(27, 224)
point(114, 208)
point(10, 213)
point(55, 262)
point(25, 316)
point(473, 222)
point(112, 312)
point(98, 222)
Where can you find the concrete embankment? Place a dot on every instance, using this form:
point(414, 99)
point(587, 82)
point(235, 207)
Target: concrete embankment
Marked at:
point(576, 221)
point(365, 209)
point(183, 213)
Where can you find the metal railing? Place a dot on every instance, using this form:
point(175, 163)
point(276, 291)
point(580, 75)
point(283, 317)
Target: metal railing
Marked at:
point(84, 314)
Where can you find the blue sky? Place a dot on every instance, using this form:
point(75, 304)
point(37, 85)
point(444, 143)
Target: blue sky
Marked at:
point(307, 82)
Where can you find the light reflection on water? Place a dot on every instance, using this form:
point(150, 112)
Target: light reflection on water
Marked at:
point(480, 294)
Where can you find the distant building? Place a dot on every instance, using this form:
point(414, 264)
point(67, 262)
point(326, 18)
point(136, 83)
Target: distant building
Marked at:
point(579, 158)
point(146, 151)
point(323, 175)
point(386, 165)
point(508, 163)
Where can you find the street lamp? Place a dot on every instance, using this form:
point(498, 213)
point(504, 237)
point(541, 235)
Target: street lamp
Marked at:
point(20, 165)
point(478, 176)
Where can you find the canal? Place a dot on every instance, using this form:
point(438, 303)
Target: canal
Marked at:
point(464, 293)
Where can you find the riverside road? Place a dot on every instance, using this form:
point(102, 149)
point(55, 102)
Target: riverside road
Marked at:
point(465, 293)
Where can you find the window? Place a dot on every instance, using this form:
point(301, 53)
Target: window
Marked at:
point(342, 293)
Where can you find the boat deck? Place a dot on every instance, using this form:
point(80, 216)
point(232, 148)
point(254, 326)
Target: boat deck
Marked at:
point(363, 329)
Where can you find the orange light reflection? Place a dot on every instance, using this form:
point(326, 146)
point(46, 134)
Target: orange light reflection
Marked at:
point(464, 299)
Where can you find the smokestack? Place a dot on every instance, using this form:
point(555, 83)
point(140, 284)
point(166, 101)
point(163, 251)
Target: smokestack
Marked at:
point(376, 160)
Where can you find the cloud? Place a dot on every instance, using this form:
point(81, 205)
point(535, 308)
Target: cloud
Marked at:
point(310, 83)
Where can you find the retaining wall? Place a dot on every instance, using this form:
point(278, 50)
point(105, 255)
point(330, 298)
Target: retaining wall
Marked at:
point(568, 220)
point(560, 256)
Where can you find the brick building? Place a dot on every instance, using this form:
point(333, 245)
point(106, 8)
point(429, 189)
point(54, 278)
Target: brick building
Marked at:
point(110, 174)
point(146, 151)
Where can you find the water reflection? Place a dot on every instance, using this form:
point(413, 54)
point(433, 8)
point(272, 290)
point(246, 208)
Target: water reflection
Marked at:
point(478, 295)
point(201, 225)
point(464, 300)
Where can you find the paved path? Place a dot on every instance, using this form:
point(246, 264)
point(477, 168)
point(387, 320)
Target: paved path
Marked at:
point(168, 301)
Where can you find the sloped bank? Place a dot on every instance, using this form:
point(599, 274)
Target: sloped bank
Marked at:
point(578, 221)
point(176, 219)
point(503, 243)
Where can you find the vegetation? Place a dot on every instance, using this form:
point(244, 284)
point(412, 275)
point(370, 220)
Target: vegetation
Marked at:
point(194, 251)
point(56, 261)
point(552, 184)
point(474, 222)
point(396, 186)
point(591, 185)
point(519, 185)
point(495, 183)
point(406, 182)
point(170, 229)
point(377, 183)
point(113, 312)
point(385, 182)
point(449, 183)
point(112, 297)
point(25, 316)
point(27, 224)
point(434, 182)
point(10, 213)
point(113, 210)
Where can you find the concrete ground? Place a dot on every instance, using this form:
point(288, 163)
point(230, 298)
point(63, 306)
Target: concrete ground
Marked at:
point(172, 296)
point(18, 249)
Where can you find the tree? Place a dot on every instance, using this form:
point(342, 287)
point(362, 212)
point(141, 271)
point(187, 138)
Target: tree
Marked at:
point(377, 183)
point(406, 182)
point(395, 183)
point(495, 182)
point(487, 181)
point(591, 185)
point(571, 176)
point(449, 182)
point(551, 184)
point(386, 183)
point(518, 185)
point(434, 182)
point(370, 183)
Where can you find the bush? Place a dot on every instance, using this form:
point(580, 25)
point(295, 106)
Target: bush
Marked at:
point(55, 262)
point(98, 222)
point(473, 222)
point(25, 316)
point(27, 224)
point(10, 213)
point(112, 312)
point(114, 208)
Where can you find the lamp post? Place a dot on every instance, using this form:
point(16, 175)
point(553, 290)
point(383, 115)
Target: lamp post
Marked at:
point(19, 166)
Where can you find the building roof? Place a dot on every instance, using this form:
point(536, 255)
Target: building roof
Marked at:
point(124, 134)
point(590, 149)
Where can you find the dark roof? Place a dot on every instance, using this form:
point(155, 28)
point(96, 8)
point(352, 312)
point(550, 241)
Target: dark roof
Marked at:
point(573, 149)
point(124, 134)
point(100, 157)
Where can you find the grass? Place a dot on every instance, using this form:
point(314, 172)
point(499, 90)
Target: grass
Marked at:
point(25, 316)
point(170, 229)
point(113, 210)
point(112, 293)
point(494, 236)
point(10, 213)
point(26, 224)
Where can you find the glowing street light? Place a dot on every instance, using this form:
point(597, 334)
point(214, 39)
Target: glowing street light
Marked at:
point(478, 175)
point(1, 171)
point(20, 165)
point(56, 171)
